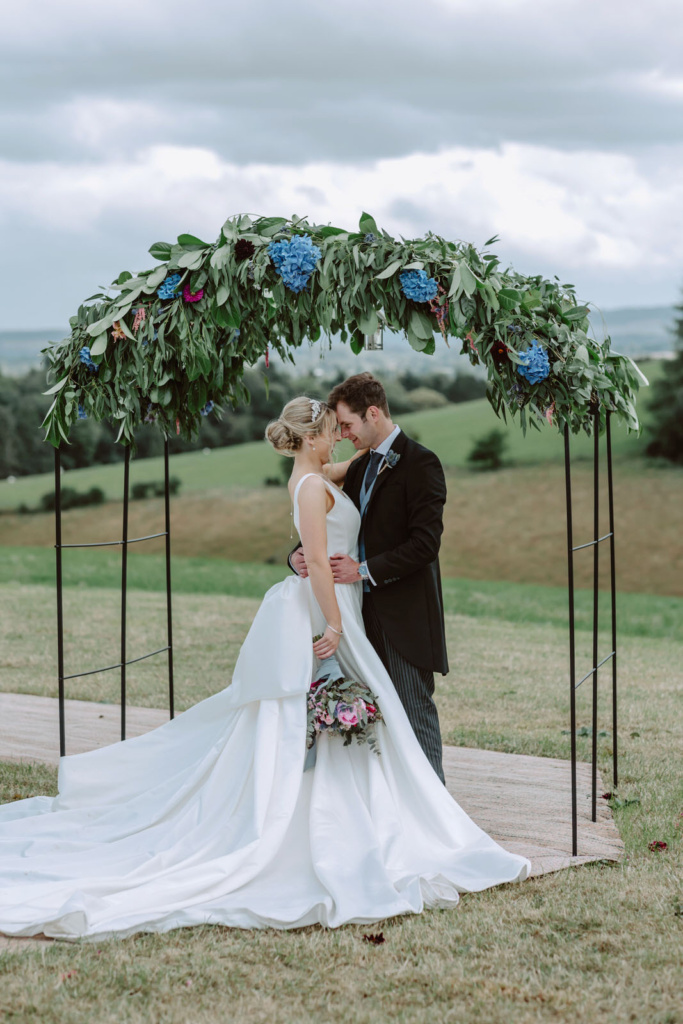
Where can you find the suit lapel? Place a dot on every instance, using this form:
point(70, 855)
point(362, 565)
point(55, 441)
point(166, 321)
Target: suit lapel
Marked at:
point(398, 446)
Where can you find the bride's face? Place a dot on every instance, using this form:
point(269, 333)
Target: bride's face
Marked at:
point(325, 443)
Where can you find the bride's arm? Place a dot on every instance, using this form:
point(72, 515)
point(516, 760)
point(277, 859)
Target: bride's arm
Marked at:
point(336, 471)
point(313, 532)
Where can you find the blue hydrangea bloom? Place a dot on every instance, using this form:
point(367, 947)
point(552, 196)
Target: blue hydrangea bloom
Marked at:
point(207, 409)
point(86, 359)
point(295, 259)
point(535, 366)
point(82, 414)
point(417, 286)
point(168, 288)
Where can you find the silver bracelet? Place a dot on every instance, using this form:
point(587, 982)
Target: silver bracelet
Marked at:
point(337, 631)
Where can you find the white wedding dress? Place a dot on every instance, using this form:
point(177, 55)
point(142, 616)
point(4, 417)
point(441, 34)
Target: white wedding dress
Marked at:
point(211, 819)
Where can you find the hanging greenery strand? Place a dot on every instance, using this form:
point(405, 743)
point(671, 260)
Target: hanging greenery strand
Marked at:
point(170, 344)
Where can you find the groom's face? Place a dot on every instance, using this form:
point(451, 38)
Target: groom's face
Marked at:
point(360, 430)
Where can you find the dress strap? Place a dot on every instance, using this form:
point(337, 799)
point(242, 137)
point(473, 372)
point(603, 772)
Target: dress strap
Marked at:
point(296, 489)
point(328, 484)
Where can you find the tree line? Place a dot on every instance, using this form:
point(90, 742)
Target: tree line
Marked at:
point(23, 407)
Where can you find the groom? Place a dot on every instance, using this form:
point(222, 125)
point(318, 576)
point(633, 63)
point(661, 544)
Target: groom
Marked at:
point(400, 491)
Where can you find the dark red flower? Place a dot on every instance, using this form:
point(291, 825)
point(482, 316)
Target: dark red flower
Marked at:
point(499, 353)
point(244, 249)
point(656, 845)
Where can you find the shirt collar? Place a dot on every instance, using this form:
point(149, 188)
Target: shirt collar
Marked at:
point(386, 444)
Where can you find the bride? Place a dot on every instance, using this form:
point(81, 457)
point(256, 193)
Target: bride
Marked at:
point(211, 818)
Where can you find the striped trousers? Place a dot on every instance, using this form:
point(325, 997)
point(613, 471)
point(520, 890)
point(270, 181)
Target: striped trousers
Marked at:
point(415, 687)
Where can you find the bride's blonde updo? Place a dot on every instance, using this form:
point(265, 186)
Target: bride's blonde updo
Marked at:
point(300, 418)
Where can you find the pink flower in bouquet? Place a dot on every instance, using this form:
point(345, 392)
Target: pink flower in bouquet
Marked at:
point(347, 716)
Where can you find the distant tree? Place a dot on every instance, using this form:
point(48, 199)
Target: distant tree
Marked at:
point(487, 451)
point(427, 398)
point(666, 403)
point(465, 388)
point(462, 387)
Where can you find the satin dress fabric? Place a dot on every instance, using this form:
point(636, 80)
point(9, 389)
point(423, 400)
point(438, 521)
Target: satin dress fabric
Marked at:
point(210, 819)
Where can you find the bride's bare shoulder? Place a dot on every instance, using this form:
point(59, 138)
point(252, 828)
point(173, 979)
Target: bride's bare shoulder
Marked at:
point(311, 483)
point(313, 491)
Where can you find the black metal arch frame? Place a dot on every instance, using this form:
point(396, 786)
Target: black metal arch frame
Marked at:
point(123, 661)
point(571, 548)
point(593, 672)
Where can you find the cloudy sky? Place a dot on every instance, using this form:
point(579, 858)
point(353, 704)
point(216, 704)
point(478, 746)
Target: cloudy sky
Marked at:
point(556, 124)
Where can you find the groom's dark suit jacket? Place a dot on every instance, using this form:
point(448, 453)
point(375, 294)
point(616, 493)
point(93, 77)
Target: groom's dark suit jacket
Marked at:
point(402, 529)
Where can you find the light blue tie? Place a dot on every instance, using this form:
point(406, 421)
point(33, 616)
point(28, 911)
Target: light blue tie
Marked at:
point(369, 479)
point(371, 471)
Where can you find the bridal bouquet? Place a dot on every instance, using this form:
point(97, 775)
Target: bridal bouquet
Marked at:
point(336, 704)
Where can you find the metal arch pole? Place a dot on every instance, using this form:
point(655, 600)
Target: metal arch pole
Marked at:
point(596, 598)
point(572, 635)
point(613, 588)
point(124, 587)
point(169, 615)
point(60, 604)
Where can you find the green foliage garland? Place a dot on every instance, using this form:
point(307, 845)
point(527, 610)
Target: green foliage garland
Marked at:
point(167, 360)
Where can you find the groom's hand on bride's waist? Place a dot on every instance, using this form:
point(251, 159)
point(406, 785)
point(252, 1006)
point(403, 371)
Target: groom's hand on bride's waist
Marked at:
point(344, 569)
point(297, 560)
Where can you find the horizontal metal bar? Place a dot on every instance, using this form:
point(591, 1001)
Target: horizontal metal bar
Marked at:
point(107, 668)
point(150, 655)
point(93, 671)
point(113, 543)
point(589, 674)
point(592, 542)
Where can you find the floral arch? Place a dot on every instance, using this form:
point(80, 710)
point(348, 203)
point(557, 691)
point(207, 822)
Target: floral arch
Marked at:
point(169, 344)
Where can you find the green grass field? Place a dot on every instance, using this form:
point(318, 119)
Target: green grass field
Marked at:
point(449, 431)
point(644, 615)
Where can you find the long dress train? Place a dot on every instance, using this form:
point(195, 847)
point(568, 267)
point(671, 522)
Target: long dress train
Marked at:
point(211, 819)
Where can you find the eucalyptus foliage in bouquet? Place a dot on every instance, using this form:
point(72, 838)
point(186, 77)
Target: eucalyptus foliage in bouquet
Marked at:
point(342, 706)
point(169, 344)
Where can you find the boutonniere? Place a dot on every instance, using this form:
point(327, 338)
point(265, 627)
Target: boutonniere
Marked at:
point(390, 459)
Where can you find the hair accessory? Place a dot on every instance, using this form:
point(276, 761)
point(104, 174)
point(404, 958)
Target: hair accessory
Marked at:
point(315, 409)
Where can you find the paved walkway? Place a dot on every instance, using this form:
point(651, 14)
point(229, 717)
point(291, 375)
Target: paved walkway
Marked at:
point(523, 802)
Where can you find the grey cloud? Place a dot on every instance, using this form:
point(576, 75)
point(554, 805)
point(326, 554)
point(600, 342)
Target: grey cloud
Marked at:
point(307, 80)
